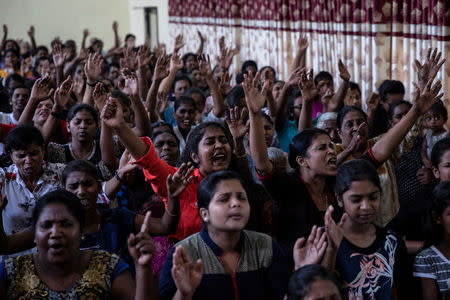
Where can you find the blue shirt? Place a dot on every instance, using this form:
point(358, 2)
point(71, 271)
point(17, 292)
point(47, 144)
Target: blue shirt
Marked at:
point(286, 134)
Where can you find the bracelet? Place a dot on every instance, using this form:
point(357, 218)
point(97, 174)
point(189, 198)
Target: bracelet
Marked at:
point(170, 214)
point(116, 175)
point(91, 84)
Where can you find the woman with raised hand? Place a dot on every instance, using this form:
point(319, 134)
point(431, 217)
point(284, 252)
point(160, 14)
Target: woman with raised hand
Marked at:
point(230, 262)
point(60, 270)
point(209, 148)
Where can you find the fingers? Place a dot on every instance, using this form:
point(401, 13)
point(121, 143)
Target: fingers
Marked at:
point(198, 268)
point(146, 225)
point(312, 235)
point(299, 243)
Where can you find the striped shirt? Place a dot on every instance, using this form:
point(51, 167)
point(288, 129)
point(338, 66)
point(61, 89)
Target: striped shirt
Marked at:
point(431, 263)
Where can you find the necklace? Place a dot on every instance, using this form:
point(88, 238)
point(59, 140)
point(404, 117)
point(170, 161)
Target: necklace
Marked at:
point(86, 158)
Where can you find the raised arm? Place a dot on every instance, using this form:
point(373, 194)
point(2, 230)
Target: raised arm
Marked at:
point(41, 90)
point(59, 58)
point(70, 65)
point(300, 54)
point(255, 101)
point(93, 70)
point(424, 99)
point(309, 93)
point(429, 68)
point(202, 43)
point(159, 74)
point(282, 100)
point(142, 123)
point(30, 33)
point(85, 35)
point(337, 101)
point(176, 64)
point(143, 73)
point(205, 67)
point(115, 27)
point(5, 36)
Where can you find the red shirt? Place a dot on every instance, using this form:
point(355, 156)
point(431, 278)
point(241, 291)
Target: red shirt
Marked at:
point(156, 171)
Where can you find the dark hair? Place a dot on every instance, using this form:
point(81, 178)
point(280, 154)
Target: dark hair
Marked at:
point(355, 170)
point(181, 77)
point(441, 200)
point(301, 280)
point(194, 90)
point(207, 186)
point(80, 165)
point(322, 75)
point(70, 43)
point(38, 48)
point(345, 110)
point(186, 56)
point(438, 107)
point(22, 136)
point(394, 104)
point(79, 107)
point(240, 78)
point(196, 135)
point(248, 63)
point(183, 100)
point(268, 67)
point(390, 87)
point(267, 117)
point(129, 35)
point(300, 144)
point(438, 151)
point(171, 132)
point(36, 65)
point(16, 53)
point(15, 77)
point(160, 124)
point(113, 64)
point(354, 86)
point(19, 87)
point(294, 94)
point(69, 200)
point(16, 45)
point(236, 94)
point(122, 97)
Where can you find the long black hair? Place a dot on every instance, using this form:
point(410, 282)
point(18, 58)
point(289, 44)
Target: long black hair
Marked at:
point(434, 232)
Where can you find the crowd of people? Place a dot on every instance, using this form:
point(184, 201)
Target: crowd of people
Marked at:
point(133, 172)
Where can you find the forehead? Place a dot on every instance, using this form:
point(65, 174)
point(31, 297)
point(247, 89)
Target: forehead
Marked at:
point(445, 156)
point(181, 82)
point(185, 105)
point(77, 176)
point(330, 123)
point(354, 92)
point(30, 148)
point(321, 139)
point(83, 114)
point(211, 132)
point(165, 137)
point(229, 186)
point(21, 91)
point(55, 211)
point(46, 103)
point(401, 108)
point(353, 115)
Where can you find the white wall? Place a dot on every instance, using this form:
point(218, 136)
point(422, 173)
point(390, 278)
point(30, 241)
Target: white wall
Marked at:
point(65, 18)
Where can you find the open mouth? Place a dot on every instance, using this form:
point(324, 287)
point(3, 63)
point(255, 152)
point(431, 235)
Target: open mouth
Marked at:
point(56, 248)
point(332, 162)
point(219, 158)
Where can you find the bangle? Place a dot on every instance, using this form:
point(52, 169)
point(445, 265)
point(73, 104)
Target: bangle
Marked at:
point(91, 84)
point(116, 175)
point(170, 214)
point(62, 115)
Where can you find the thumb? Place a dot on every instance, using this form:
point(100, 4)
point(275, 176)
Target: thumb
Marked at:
point(299, 243)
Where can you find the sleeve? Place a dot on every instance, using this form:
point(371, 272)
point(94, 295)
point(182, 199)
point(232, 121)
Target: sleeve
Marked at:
point(3, 275)
point(167, 287)
point(278, 273)
point(403, 271)
point(276, 184)
point(370, 158)
point(155, 169)
point(423, 267)
point(5, 129)
point(121, 266)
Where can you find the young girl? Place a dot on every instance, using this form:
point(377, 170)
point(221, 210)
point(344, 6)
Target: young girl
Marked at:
point(370, 259)
point(432, 264)
point(435, 119)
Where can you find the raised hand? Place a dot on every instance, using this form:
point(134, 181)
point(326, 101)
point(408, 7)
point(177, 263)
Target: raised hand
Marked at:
point(307, 86)
point(83, 54)
point(178, 182)
point(430, 67)
point(178, 43)
point(93, 67)
point(112, 114)
point(126, 165)
point(41, 89)
point(5, 31)
point(302, 42)
point(334, 231)
point(201, 37)
point(30, 31)
point(176, 63)
point(131, 82)
point(255, 99)
point(143, 57)
point(295, 76)
point(426, 97)
point(204, 66)
point(59, 57)
point(225, 84)
point(372, 102)
point(115, 26)
point(161, 71)
point(99, 95)
point(357, 140)
point(185, 274)
point(162, 102)
point(141, 247)
point(236, 122)
point(129, 60)
point(343, 72)
point(78, 86)
point(311, 252)
point(85, 33)
point(62, 95)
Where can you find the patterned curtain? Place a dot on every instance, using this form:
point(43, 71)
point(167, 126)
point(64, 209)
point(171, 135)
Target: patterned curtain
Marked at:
point(376, 39)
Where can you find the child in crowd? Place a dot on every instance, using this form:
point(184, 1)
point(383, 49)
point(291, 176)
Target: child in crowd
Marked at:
point(435, 119)
point(432, 265)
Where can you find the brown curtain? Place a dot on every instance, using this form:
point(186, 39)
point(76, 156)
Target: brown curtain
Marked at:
point(377, 39)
